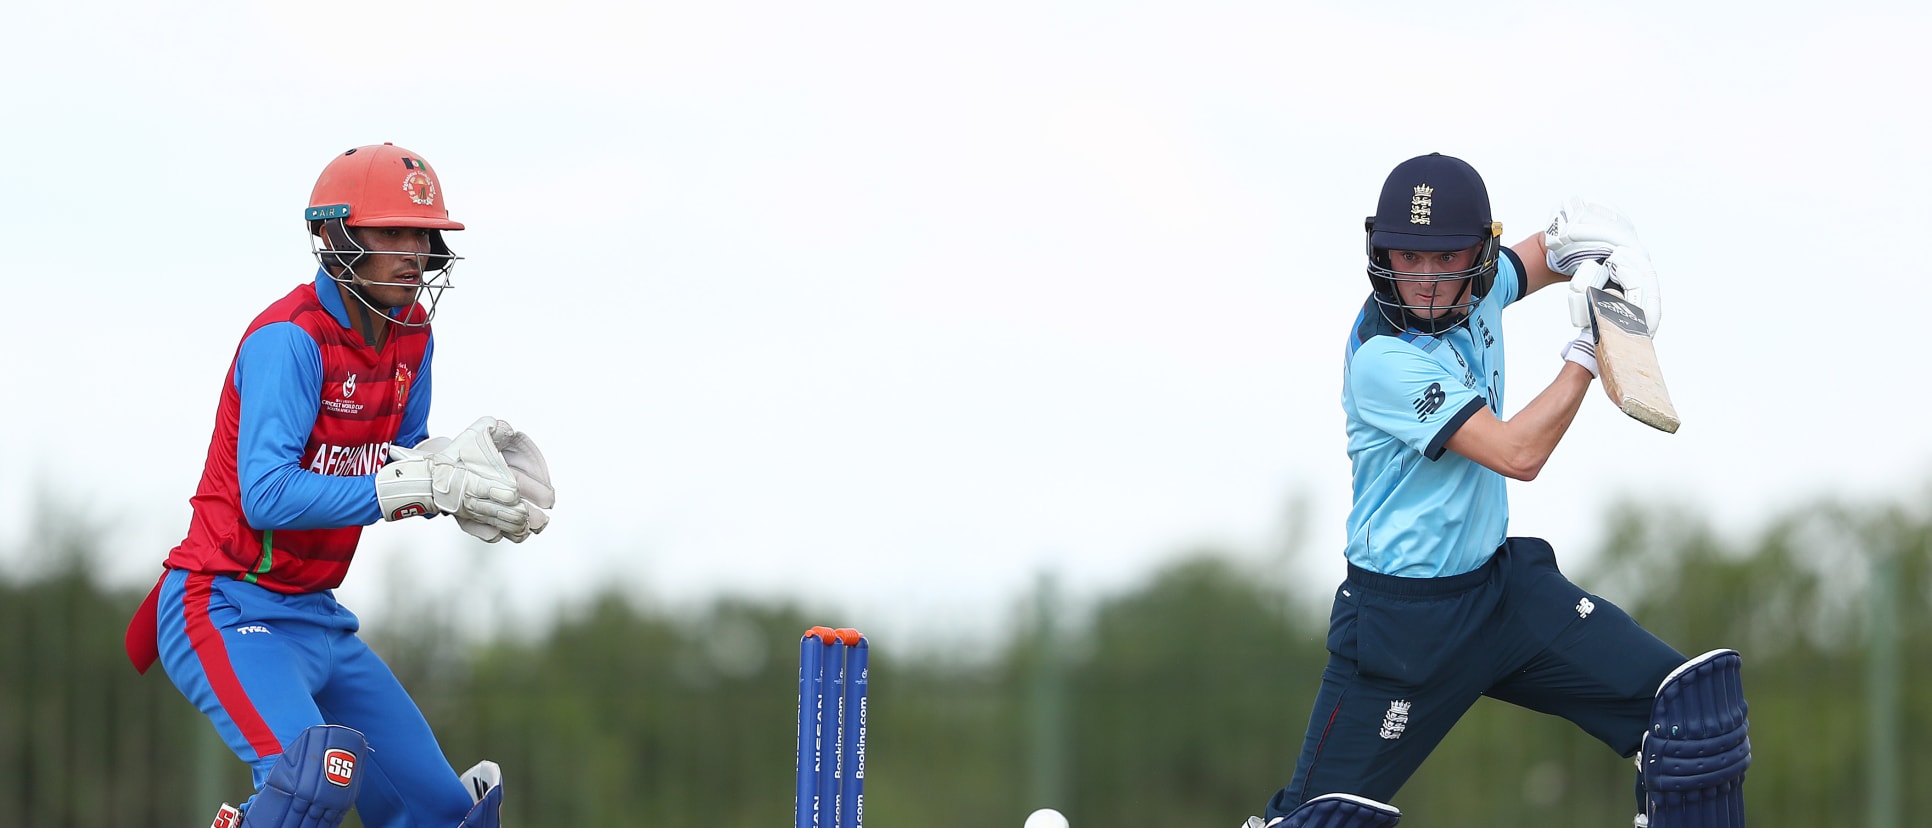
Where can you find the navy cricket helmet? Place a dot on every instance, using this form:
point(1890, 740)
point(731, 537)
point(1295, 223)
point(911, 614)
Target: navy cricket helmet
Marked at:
point(1432, 203)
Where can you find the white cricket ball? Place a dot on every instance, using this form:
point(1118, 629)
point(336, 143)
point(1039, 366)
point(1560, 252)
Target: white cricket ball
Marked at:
point(1046, 818)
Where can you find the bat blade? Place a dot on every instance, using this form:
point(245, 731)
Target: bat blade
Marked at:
point(1627, 358)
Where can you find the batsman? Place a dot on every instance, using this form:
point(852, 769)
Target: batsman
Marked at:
point(321, 429)
point(1440, 606)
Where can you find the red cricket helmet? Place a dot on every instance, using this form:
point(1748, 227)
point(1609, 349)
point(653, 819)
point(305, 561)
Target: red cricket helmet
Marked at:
point(380, 186)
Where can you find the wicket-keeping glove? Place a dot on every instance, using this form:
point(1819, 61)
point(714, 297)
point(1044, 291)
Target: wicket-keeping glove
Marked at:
point(465, 476)
point(525, 462)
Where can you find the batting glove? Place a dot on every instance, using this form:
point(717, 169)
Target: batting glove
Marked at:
point(1583, 351)
point(1628, 271)
point(1582, 231)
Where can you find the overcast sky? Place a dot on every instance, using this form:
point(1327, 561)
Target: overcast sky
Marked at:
point(888, 307)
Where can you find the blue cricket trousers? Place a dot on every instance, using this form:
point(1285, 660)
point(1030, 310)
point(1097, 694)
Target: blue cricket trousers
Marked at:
point(1409, 656)
point(264, 666)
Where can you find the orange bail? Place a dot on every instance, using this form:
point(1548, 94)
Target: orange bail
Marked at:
point(827, 635)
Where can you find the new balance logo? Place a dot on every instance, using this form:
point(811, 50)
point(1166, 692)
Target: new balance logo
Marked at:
point(1584, 608)
point(1430, 402)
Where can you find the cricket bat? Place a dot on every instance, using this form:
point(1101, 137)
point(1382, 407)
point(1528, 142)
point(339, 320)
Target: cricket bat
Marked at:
point(1628, 361)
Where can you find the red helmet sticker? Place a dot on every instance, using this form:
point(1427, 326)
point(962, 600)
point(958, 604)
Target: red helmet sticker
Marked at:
point(420, 187)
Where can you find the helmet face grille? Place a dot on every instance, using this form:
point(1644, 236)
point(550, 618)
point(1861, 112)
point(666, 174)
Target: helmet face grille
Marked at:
point(338, 251)
point(1432, 319)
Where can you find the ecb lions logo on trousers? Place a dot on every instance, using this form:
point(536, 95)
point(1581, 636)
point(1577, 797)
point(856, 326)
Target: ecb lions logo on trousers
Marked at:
point(1396, 721)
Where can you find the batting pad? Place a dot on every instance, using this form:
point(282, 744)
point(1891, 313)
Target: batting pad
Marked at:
point(313, 783)
point(1697, 749)
point(1339, 810)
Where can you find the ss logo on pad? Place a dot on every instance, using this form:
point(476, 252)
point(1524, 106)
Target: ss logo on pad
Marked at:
point(339, 767)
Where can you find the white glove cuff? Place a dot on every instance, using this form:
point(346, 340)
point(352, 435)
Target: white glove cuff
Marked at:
point(1567, 263)
point(1583, 351)
point(404, 489)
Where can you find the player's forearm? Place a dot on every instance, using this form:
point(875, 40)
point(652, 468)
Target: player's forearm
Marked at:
point(292, 498)
point(1518, 447)
point(1536, 264)
point(1541, 425)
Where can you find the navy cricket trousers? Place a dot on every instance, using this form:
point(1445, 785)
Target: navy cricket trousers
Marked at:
point(1409, 656)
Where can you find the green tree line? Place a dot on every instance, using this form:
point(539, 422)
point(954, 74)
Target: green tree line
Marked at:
point(1178, 703)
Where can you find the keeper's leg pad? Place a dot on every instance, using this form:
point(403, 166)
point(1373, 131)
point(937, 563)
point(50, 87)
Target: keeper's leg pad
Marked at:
point(1697, 749)
point(1339, 810)
point(313, 783)
point(485, 781)
point(228, 817)
point(488, 811)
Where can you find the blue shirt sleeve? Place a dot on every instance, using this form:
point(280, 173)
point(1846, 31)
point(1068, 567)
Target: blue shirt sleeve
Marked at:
point(1512, 283)
point(1402, 392)
point(278, 375)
